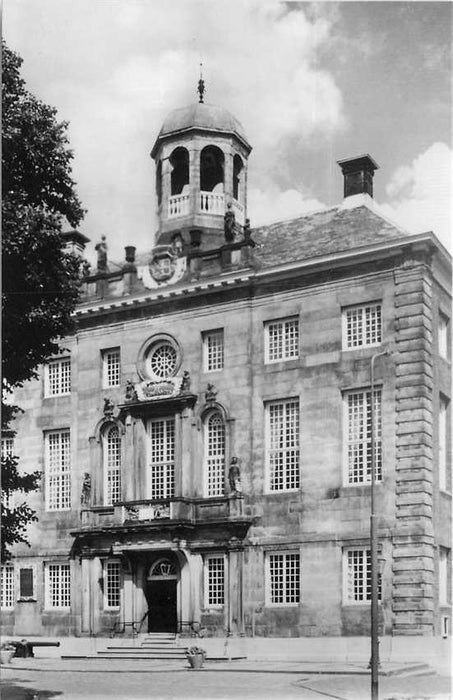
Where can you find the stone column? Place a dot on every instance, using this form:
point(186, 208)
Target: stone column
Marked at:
point(86, 601)
point(234, 602)
point(413, 542)
point(129, 457)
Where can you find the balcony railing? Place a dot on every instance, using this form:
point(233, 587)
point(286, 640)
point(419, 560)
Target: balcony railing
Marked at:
point(238, 212)
point(191, 510)
point(178, 205)
point(211, 203)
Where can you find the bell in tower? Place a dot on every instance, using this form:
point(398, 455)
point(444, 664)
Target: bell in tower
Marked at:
point(201, 157)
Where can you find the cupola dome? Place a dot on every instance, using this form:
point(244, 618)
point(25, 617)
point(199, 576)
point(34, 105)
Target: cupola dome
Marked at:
point(200, 115)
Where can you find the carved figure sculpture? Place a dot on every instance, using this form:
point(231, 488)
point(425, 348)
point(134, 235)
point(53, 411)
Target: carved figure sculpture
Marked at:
point(234, 476)
point(185, 384)
point(229, 224)
point(131, 394)
point(86, 267)
point(85, 496)
point(247, 230)
point(101, 249)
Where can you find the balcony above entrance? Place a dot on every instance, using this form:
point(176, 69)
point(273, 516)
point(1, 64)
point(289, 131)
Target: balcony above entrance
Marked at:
point(223, 514)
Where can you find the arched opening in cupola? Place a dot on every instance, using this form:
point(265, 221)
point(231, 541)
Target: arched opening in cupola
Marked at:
point(237, 178)
point(159, 181)
point(179, 160)
point(211, 169)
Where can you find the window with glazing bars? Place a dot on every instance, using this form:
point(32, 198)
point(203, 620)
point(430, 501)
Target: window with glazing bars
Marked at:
point(57, 377)
point(215, 581)
point(213, 350)
point(358, 576)
point(58, 470)
point(58, 586)
point(162, 457)
point(362, 326)
point(359, 438)
point(442, 438)
point(282, 440)
point(7, 586)
point(214, 454)
point(111, 360)
point(112, 584)
point(282, 340)
point(112, 466)
point(284, 578)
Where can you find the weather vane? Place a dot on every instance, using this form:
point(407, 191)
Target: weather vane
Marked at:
point(201, 84)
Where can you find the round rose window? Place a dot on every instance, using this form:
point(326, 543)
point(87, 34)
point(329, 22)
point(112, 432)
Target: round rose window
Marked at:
point(162, 360)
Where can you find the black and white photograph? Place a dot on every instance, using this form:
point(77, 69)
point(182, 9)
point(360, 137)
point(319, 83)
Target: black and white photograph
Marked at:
point(226, 350)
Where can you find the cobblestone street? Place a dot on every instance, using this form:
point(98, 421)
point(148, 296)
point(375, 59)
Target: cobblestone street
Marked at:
point(21, 684)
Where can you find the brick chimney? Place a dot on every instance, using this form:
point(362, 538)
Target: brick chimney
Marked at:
point(358, 175)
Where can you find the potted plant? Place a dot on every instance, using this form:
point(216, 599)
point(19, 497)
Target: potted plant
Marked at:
point(195, 656)
point(7, 652)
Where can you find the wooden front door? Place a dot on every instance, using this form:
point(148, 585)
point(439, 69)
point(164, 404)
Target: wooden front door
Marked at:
point(161, 598)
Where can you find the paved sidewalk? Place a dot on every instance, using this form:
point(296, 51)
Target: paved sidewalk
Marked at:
point(96, 665)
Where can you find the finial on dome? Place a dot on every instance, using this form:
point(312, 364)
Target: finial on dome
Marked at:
point(201, 84)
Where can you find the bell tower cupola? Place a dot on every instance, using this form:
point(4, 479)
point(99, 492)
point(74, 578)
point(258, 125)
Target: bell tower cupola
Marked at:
point(201, 157)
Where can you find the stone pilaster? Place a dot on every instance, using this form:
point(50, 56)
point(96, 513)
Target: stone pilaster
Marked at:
point(413, 543)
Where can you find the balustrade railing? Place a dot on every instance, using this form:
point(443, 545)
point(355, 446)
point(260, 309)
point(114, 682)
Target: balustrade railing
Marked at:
point(178, 205)
point(239, 212)
point(212, 203)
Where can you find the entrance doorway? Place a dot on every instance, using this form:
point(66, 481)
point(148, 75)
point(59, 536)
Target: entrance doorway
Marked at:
point(161, 595)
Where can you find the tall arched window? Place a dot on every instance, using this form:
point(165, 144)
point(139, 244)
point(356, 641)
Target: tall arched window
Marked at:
point(237, 169)
point(159, 181)
point(179, 161)
point(112, 466)
point(214, 451)
point(211, 169)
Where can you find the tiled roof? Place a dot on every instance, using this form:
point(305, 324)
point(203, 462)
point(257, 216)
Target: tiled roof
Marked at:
point(321, 233)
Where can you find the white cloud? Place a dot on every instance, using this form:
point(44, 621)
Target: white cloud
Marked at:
point(419, 194)
point(266, 206)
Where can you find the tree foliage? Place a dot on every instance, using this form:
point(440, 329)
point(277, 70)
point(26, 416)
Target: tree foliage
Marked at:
point(40, 280)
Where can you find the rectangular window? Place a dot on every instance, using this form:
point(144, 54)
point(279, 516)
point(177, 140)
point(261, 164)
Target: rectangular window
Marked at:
point(283, 574)
point(357, 576)
point(443, 576)
point(357, 406)
point(282, 445)
point(362, 326)
point(281, 340)
point(214, 581)
point(213, 350)
point(112, 584)
point(58, 585)
point(111, 367)
point(58, 470)
point(26, 588)
point(442, 436)
point(7, 587)
point(57, 377)
point(162, 457)
point(442, 335)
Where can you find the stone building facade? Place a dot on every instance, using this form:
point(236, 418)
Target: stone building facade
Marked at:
point(205, 436)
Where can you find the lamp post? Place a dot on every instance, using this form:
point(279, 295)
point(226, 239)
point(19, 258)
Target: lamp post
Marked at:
point(374, 546)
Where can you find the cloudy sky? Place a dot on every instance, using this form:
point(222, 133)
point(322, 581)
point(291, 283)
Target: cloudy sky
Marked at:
point(311, 83)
